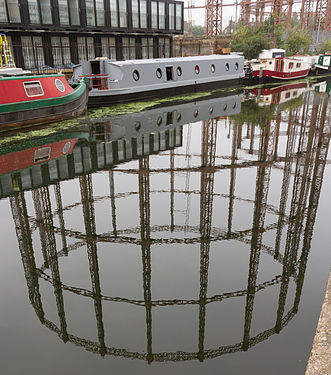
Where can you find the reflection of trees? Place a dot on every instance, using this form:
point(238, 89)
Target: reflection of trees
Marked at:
point(307, 143)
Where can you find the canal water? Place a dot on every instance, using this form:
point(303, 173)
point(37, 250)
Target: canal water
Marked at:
point(191, 237)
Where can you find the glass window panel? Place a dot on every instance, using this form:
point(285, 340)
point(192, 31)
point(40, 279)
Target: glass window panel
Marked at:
point(167, 48)
point(66, 50)
point(3, 11)
point(154, 15)
point(125, 48)
point(81, 44)
point(27, 50)
point(46, 12)
point(150, 48)
point(33, 11)
point(123, 14)
point(161, 15)
point(56, 51)
point(100, 12)
point(178, 17)
point(13, 11)
point(74, 12)
point(144, 48)
point(143, 14)
point(90, 15)
point(161, 48)
point(132, 48)
point(63, 12)
point(90, 48)
point(135, 14)
point(113, 13)
point(38, 51)
point(108, 46)
point(172, 16)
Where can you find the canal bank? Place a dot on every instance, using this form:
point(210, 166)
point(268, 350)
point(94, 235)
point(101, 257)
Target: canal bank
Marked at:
point(319, 361)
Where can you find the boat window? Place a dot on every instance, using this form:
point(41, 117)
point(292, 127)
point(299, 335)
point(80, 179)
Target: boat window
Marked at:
point(270, 62)
point(197, 69)
point(236, 66)
point(170, 118)
point(33, 88)
point(66, 147)
point(137, 125)
point(158, 73)
point(136, 75)
point(277, 65)
point(170, 73)
point(287, 95)
point(290, 65)
point(234, 106)
point(225, 107)
point(211, 110)
point(179, 71)
point(295, 93)
point(227, 67)
point(42, 154)
point(298, 65)
point(196, 112)
point(159, 121)
point(282, 65)
point(213, 68)
point(178, 117)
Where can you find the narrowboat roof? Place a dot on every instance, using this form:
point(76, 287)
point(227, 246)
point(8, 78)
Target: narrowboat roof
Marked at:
point(173, 60)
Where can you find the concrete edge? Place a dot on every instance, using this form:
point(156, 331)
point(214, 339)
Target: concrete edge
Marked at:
point(319, 362)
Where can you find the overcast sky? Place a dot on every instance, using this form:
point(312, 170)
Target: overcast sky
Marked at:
point(198, 15)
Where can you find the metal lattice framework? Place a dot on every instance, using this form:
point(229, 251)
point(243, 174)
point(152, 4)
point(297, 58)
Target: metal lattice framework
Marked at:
point(307, 144)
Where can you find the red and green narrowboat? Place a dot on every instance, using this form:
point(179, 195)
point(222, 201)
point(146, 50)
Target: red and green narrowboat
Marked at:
point(323, 65)
point(27, 99)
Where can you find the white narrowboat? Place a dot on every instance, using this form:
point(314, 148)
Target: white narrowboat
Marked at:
point(121, 81)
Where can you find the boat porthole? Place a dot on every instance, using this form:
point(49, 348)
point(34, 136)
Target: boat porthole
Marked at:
point(211, 110)
point(196, 112)
point(234, 105)
point(179, 71)
point(59, 85)
point(136, 75)
point(137, 125)
point(236, 66)
point(225, 107)
point(213, 68)
point(66, 147)
point(227, 67)
point(159, 121)
point(178, 117)
point(197, 69)
point(158, 73)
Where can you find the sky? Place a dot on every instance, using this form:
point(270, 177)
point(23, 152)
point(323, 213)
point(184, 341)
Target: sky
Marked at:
point(198, 15)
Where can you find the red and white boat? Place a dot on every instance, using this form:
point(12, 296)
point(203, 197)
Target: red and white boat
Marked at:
point(280, 67)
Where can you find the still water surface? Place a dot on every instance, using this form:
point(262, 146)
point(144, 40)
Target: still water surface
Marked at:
point(185, 239)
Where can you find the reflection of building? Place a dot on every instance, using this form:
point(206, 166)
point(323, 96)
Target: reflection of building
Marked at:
point(123, 138)
point(59, 33)
point(302, 165)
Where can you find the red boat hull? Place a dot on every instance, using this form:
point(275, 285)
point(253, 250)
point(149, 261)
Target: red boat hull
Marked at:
point(280, 75)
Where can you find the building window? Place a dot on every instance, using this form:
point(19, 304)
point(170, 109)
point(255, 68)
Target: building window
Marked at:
point(135, 14)
point(61, 52)
point(46, 12)
point(33, 52)
point(143, 14)
point(123, 14)
point(154, 14)
point(74, 12)
point(34, 11)
point(90, 13)
point(108, 46)
point(147, 48)
point(129, 48)
point(178, 16)
point(161, 15)
point(113, 13)
point(63, 12)
point(85, 48)
point(171, 16)
point(13, 11)
point(164, 47)
point(3, 11)
point(100, 11)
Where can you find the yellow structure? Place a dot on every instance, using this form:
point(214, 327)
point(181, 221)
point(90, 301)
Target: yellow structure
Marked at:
point(6, 57)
